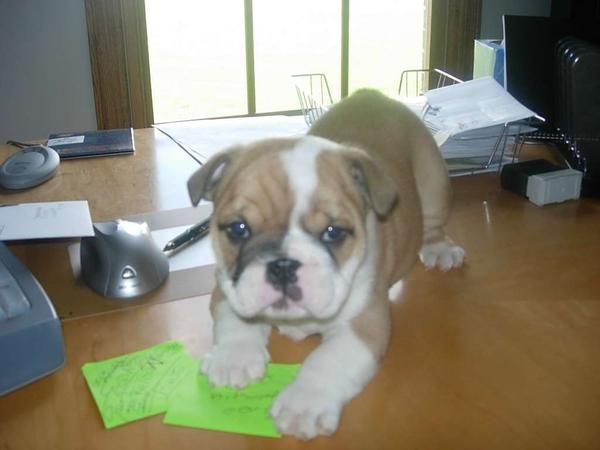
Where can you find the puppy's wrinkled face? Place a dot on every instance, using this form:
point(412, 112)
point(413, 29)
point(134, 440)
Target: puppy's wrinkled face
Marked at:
point(290, 231)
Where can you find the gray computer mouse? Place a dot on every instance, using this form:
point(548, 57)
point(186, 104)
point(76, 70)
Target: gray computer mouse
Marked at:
point(122, 260)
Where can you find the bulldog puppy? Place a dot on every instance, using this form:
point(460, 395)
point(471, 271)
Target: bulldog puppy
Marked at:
point(314, 235)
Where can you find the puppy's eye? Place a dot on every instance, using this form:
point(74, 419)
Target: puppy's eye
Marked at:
point(333, 234)
point(238, 231)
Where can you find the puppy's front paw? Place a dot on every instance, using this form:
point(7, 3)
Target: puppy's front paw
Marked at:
point(304, 411)
point(444, 255)
point(235, 364)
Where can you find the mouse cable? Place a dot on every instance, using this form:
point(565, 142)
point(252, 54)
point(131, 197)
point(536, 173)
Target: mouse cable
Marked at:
point(196, 156)
point(18, 144)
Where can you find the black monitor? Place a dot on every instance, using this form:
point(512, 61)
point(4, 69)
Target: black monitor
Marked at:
point(529, 59)
point(576, 10)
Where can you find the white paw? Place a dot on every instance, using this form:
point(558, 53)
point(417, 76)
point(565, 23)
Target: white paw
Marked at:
point(444, 255)
point(235, 364)
point(306, 412)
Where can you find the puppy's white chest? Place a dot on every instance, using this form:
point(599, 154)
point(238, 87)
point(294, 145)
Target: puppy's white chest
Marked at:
point(299, 332)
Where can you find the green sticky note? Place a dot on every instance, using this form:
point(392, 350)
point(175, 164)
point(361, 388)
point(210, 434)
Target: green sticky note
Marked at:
point(197, 404)
point(139, 384)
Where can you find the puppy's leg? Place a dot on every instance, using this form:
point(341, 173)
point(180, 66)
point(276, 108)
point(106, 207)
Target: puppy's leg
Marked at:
point(239, 354)
point(332, 374)
point(433, 186)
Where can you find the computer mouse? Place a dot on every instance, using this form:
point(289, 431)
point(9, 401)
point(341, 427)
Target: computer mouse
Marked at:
point(122, 260)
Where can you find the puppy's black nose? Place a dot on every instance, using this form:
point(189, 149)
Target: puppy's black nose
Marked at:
point(282, 272)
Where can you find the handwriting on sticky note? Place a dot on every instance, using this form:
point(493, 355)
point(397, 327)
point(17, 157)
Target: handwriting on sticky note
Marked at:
point(138, 385)
point(197, 404)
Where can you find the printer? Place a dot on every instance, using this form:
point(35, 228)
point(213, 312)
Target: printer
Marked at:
point(31, 341)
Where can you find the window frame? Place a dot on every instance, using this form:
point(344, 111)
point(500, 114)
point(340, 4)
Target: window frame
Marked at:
point(117, 36)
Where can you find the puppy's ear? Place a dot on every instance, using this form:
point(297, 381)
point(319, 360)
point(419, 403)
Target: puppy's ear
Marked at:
point(204, 182)
point(373, 182)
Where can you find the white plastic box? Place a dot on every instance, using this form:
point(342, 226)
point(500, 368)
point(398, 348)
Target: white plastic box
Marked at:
point(554, 187)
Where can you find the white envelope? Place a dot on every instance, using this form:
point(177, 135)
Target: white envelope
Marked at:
point(45, 220)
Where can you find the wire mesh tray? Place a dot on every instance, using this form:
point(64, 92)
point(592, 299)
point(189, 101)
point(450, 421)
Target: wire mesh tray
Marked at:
point(314, 96)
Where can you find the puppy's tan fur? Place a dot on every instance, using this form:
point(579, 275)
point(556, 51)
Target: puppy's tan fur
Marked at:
point(377, 173)
point(407, 152)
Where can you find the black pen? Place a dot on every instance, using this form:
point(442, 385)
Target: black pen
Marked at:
point(192, 234)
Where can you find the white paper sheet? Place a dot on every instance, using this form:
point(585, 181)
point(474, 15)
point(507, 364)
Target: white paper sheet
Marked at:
point(198, 254)
point(45, 220)
point(204, 138)
point(473, 104)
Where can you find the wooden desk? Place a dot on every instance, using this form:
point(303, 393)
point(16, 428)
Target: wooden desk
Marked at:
point(149, 185)
point(502, 354)
point(152, 179)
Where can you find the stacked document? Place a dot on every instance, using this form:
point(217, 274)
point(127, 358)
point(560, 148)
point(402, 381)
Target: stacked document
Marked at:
point(473, 123)
point(480, 150)
point(469, 120)
point(203, 138)
point(473, 105)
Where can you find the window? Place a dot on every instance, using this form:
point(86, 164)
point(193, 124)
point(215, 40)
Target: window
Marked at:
point(386, 37)
point(292, 37)
point(199, 51)
point(119, 52)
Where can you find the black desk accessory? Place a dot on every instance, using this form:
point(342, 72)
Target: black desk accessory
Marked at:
point(190, 235)
point(541, 181)
point(87, 144)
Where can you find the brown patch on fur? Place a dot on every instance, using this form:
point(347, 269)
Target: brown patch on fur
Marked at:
point(254, 189)
point(373, 326)
point(216, 298)
point(396, 138)
point(338, 202)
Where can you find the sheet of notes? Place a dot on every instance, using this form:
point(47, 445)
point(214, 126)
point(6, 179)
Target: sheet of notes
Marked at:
point(165, 379)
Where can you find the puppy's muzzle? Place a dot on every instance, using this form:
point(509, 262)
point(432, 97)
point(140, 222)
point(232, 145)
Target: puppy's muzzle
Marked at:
point(281, 273)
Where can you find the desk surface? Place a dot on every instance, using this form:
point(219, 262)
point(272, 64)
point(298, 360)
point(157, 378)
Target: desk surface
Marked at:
point(502, 353)
point(152, 179)
point(149, 185)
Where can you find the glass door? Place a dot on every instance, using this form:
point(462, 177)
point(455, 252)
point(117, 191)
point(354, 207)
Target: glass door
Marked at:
point(386, 38)
point(197, 53)
point(293, 37)
point(229, 58)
